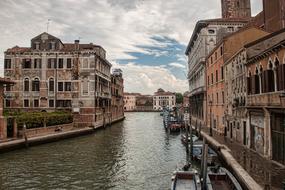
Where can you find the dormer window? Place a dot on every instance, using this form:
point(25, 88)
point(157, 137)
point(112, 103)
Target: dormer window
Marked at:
point(37, 46)
point(52, 46)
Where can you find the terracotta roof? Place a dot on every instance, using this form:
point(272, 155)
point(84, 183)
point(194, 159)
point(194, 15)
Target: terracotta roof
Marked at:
point(17, 49)
point(6, 81)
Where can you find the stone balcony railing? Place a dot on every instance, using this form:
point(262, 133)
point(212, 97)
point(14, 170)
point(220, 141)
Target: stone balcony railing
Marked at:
point(266, 99)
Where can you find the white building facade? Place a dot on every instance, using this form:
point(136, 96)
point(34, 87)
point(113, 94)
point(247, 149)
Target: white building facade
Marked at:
point(162, 99)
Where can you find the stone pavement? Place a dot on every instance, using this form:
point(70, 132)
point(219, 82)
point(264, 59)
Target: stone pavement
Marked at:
point(267, 173)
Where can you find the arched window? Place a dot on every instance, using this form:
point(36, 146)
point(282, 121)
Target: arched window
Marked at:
point(269, 78)
point(26, 85)
point(36, 85)
point(51, 85)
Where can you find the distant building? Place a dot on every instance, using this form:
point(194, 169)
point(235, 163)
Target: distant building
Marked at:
point(52, 75)
point(130, 101)
point(162, 99)
point(4, 83)
point(117, 92)
point(144, 103)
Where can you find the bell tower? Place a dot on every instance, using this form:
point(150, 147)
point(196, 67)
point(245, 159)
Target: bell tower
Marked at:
point(236, 9)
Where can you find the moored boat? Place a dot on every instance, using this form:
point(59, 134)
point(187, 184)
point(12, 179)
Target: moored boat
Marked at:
point(185, 180)
point(220, 178)
point(183, 138)
point(198, 150)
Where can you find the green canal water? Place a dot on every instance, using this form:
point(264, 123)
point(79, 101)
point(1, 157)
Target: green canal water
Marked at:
point(134, 154)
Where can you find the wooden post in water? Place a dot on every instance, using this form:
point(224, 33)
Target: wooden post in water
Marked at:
point(187, 144)
point(202, 158)
point(25, 135)
point(191, 139)
point(205, 159)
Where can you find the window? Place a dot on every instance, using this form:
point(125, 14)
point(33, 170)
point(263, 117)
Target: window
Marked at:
point(67, 86)
point(36, 85)
point(221, 50)
point(85, 87)
point(60, 86)
point(208, 80)
point(51, 63)
point(26, 85)
point(63, 103)
point(37, 63)
point(68, 63)
point(26, 103)
point(51, 45)
point(222, 72)
point(216, 55)
point(51, 85)
point(8, 88)
point(7, 64)
point(27, 64)
point(230, 29)
point(217, 98)
point(85, 63)
point(223, 97)
point(211, 60)
point(51, 103)
point(212, 77)
point(217, 76)
point(211, 31)
point(8, 103)
point(36, 103)
point(60, 63)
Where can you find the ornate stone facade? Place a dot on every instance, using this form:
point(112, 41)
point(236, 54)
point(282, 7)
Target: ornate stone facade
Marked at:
point(52, 75)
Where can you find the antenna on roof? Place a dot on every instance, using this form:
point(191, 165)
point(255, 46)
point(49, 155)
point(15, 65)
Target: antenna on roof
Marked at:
point(48, 21)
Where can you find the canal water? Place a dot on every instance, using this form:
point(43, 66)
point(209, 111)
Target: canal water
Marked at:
point(134, 154)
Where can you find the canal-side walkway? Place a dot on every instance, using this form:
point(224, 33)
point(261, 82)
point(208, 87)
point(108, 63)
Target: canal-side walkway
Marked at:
point(255, 171)
point(48, 137)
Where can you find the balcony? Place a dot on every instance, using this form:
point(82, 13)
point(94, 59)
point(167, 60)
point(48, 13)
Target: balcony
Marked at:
point(264, 100)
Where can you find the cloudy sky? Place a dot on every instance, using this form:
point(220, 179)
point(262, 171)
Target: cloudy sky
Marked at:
point(145, 38)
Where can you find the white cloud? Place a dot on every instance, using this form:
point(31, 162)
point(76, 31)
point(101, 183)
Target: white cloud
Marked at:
point(147, 79)
point(178, 65)
point(120, 26)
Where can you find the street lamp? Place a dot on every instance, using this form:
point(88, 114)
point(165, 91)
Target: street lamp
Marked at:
point(211, 132)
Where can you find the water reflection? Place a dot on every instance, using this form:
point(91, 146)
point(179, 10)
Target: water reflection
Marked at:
point(134, 154)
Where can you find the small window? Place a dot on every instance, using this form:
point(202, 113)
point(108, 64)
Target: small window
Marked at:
point(68, 63)
point(51, 63)
point(7, 64)
point(85, 87)
point(217, 76)
point(8, 103)
point(67, 86)
point(230, 29)
point(221, 50)
point(51, 103)
point(26, 85)
point(223, 97)
point(36, 103)
point(27, 64)
point(211, 31)
point(85, 63)
point(60, 63)
point(212, 77)
point(26, 103)
point(51, 85)
point(60, 86)
point(217, 98)
point(8, 88)
point(222, 72)
point(216, 55)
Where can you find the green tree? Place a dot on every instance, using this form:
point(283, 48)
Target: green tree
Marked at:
point(179, 98)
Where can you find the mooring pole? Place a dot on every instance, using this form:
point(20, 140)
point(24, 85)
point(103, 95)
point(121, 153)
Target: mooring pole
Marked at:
point(202, 158)
point(25, 135)
point(205, 167)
